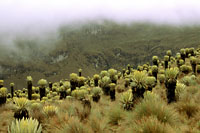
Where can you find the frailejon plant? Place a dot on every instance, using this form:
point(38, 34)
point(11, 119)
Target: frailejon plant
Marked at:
point(42, 87)
point(169, 53)
point(81, 81)
point(166, 59)
point(183, 54)
point(180, 88)
point(185, 69)
point(29, 86)
point(12, 89)
point(127, 100)
point(105, 81)
point(170, 83)
point(3, 95)
point(150, 82)
point(25, 126)
point(63, 92)
point(139, 83)
point(79, 72)
point(154, 71)
point(129, 69)
point(96, 93)
point(96, 78)
point(50, 86)
point(112, 91)
point(79, 94)
point(21, 111)
point(193, 62)
point(113, 75)
point(161, 78)
point(73, 81)
point(155, 60)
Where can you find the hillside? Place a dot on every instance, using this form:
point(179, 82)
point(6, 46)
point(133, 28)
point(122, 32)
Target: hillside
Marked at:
point(92, 47)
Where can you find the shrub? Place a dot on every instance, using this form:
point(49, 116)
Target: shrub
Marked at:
point(25, 126)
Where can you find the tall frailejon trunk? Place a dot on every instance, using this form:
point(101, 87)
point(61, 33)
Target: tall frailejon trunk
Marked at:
point(166, 64)
point(171, 86)
point(194, 68)
point(42, 92)
point(50, 86)
point(29, 83)
point(112, 94)
point(12, 91)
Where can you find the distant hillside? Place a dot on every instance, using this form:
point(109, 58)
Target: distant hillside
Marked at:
point(92, 47)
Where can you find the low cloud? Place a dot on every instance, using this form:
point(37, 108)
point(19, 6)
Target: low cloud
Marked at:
point(38, 17)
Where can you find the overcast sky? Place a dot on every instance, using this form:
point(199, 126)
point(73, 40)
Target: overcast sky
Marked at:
point(34, 15)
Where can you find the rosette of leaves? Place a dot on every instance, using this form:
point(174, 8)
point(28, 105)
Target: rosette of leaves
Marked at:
point(169, 53)
point(104, 73)
point(191, 51)
point(21, 111)
point(96, 93)
point(73, 81)
point(139, 83)
point(126, 100)
point(187, 52)
point(155, 60)
point(185, 69)
point(112, 91)
point(150, 82)
point(113, 75)
point(96, 78)
point(81, 81)
point(170, 83)
point(3, 95)
point(79, 94)
point(161, 78)
point(105, 81)
point(180, 88)
point(25, 126)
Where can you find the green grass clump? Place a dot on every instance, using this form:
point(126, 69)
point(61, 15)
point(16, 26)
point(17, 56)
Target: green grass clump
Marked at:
point(150, 125)
point(153, 105)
